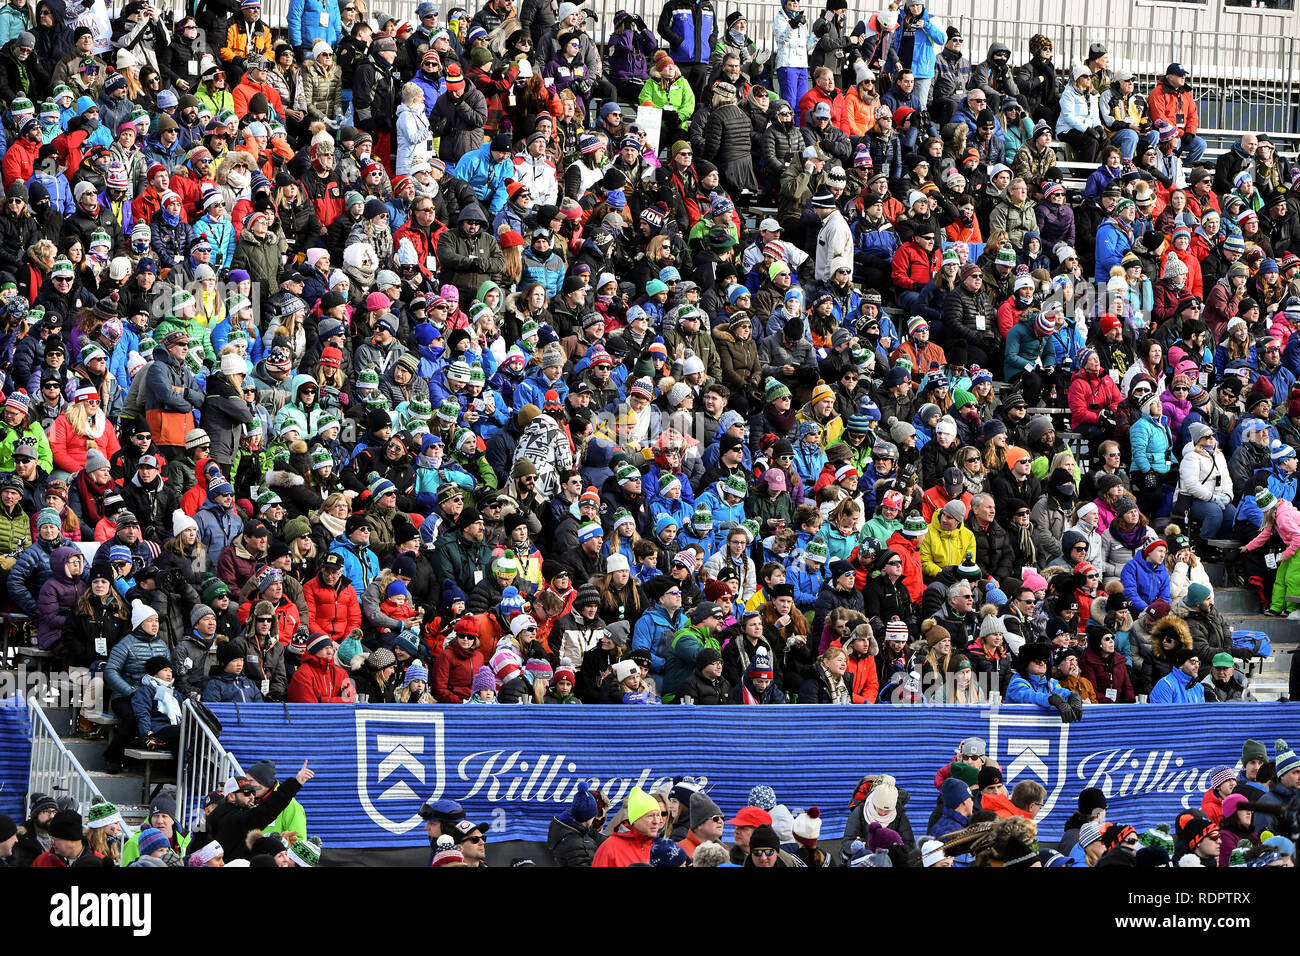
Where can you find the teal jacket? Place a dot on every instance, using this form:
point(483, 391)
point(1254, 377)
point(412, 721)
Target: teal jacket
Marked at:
point(1151, 444)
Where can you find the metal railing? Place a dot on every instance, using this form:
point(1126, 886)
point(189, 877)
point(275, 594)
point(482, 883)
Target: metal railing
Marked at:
point(1239, 82)
point(203, 765)
point(53, 769)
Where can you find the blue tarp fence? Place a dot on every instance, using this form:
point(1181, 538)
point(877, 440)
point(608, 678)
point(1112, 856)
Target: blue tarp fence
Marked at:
point(15, 757)
point(514, 768)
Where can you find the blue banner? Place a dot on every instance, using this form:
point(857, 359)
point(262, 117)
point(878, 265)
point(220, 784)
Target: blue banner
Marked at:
point(15, 757)
point(516, 767)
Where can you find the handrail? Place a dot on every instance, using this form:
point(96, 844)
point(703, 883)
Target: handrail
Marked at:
point(203, 765)
point(53, 769)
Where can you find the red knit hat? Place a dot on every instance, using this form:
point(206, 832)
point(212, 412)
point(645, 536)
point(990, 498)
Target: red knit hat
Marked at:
point(331, 357)
point(510, 239)
point(714, 589)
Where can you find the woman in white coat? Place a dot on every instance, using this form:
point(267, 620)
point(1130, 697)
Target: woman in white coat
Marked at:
point(1185, 568)
point(414, 143)
point(1086, 520)
point(1204, 485)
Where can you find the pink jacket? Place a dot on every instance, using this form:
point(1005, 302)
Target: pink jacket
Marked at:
point(1287, 524)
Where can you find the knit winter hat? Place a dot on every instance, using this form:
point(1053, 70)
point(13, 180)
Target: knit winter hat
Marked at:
point(1284, 758)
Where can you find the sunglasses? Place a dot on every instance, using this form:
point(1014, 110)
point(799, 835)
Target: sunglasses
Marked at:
point(763, 853)
point(972, 461)
point(475, 839)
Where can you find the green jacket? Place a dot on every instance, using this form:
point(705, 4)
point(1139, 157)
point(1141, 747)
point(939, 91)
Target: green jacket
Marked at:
point(44, 457)
point(701, 343)
point(131, 848)
point(198, 332)
point(678, 95)
point(680, 664)
point(292, 820)
point(261, 257)
point(458, 559)
point(15, 531)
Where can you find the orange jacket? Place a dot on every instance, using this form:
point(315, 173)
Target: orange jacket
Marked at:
point(858, 116)
point(1166, 103)
point(238, 43)
point(1001, 804)
point(862, 679)
point(490, 630)
point(247, 89)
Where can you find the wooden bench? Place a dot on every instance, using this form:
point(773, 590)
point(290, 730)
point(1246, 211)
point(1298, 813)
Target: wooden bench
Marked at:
point(148, 758)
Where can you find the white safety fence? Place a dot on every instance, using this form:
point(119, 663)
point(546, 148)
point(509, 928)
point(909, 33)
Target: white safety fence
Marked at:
point(53, 769)
point(203, 766)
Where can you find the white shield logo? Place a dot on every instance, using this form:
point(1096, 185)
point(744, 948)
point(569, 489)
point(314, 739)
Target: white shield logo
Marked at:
point(405, 747)
point(1022, 743)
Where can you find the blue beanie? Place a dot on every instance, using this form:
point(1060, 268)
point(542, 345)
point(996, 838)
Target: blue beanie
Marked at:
point(954, 793)
point(404, 565)
point(664, 852)
point(152, 839)
point(995, 596)
point(409, 642)
point(451, 593)
point(665, 521)
point(584, 804)
point(425, 333)
point(397, 587)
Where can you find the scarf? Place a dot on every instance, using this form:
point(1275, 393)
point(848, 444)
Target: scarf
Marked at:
point(165, 702)
point(1133, 539)
point(782, 422)
point(172, 220)
point(1025, 543)
point(335, 526)
point(92, 497)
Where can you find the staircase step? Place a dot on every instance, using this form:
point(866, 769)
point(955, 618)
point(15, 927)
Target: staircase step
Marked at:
point(133, 813)
point(1279, 629)
point(1234, 601)
point(1214, 571)
point(119, 788)
point(89, 753)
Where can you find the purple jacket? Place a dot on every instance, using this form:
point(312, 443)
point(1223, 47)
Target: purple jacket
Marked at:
point(57, 598)
point(629, 55)
point(1055, 224)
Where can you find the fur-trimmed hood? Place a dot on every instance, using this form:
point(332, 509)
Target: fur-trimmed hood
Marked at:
point(1170, 622)
point(279, 478)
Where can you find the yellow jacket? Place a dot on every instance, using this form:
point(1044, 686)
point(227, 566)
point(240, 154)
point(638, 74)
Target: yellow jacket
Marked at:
point(941, 549)
point(238, 42)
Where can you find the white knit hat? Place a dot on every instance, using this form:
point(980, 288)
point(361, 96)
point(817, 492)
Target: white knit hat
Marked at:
point(808, 826)
point(181, 521)
point(232, 364)
point(140, 612)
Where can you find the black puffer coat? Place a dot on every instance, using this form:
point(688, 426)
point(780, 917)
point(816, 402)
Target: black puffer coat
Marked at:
point(459, 121)
point(782, 145)
point(570, 843)
point(726, 145)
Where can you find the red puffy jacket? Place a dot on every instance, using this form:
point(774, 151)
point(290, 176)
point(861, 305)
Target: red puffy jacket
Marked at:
point(623, 848)
point(333, 611)
point(1089, 394)
point(453, 673)
point(913, 268)
point(318, 681)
